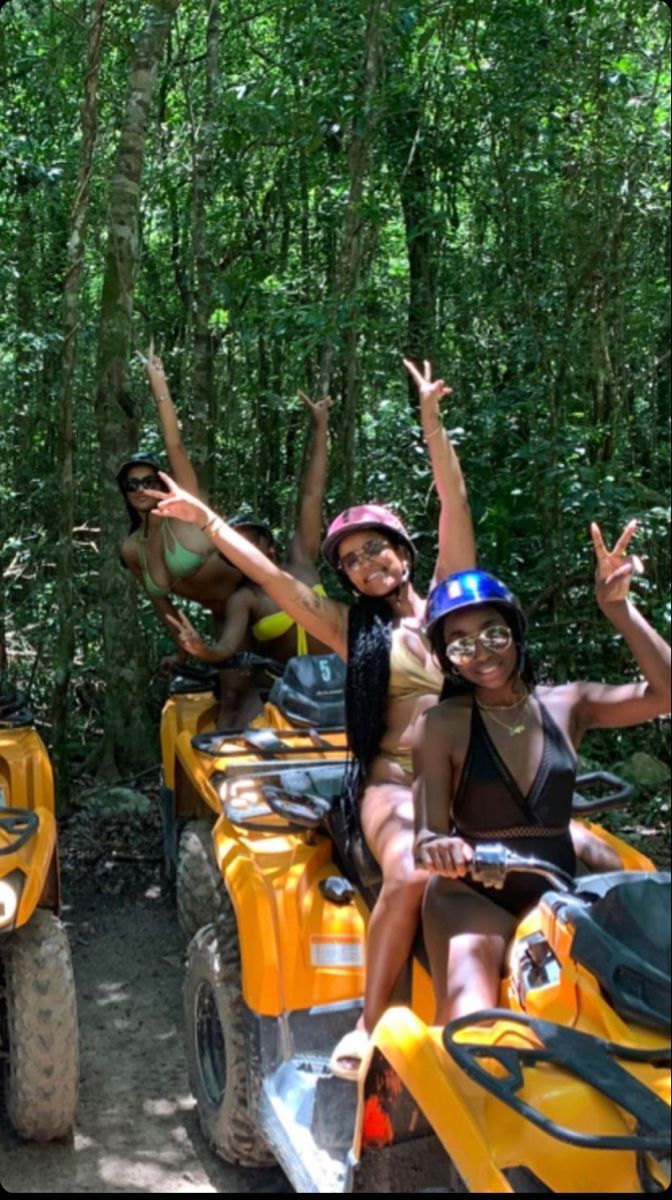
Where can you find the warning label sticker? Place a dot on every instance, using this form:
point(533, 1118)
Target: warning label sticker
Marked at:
point(336, 952)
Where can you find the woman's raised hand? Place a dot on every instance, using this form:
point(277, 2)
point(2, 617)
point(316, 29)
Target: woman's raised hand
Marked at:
point(177, 503)
point(318, 409)
point(431, 391)
point(616, 567)
point(155, 371)
point(190, 638)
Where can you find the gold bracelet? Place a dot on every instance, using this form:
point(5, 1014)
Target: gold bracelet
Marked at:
point(207, 528)
point(438, 429)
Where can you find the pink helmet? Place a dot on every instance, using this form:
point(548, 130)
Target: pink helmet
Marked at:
point(364, 516)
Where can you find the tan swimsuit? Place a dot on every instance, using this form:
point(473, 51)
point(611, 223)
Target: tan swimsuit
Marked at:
point(409, 680)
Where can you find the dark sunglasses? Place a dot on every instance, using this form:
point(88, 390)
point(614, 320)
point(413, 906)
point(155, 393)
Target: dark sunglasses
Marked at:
point(142, 484)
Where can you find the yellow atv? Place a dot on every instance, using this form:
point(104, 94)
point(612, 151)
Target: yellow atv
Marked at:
point(564, 1088)
point(304, 692)
point(38, 1013)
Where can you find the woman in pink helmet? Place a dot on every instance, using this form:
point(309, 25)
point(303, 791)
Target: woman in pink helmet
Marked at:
point(392, 678)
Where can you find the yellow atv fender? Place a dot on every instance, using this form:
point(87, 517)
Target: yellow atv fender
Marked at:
point(482, 1136)
point(298, 949)
point(27, 782)
point(29, 875)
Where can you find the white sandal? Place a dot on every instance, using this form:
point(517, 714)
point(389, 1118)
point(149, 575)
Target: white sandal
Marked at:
point(352, 1047)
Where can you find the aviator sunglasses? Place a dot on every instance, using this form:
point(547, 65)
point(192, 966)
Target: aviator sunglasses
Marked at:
point(369, 551)
point(496, 638)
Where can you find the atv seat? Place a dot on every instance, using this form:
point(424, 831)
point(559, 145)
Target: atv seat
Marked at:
point(623, 938)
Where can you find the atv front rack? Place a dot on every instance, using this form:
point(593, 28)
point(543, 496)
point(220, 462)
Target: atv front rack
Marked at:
point(18, 825)
point(589, 1058)
point(267, 742)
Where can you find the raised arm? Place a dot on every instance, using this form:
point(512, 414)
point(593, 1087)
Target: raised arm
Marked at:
point(180, 463)
point(457, 547)
point(326, 619)
point(600, 705)
point(305, 544)
point(232, 637)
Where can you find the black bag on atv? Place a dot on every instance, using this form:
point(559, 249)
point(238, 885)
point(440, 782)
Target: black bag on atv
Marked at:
point(311, 691)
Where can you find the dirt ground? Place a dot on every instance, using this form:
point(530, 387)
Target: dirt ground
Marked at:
point(137, 1129)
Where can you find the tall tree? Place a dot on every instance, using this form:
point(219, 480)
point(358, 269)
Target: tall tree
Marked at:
point(65, 645)
point(129, 740)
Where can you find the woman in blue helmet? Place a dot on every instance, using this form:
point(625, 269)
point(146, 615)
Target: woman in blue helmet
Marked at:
point(498, 763)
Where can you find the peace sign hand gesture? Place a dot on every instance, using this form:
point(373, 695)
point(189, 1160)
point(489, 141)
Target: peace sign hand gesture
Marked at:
point(190, 638)
point(615, 568)
point(430, 391)
point(155, 371)
point(177, 502)
point(319, 409)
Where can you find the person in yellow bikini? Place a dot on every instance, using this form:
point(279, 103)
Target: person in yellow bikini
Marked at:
point(253, 620)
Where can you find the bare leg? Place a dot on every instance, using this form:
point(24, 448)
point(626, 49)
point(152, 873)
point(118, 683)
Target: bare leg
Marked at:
point(387, 822)
point(466, 936)
point(592, 851)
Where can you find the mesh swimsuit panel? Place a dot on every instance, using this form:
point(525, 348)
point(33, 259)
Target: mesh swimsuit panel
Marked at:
point(490, 807)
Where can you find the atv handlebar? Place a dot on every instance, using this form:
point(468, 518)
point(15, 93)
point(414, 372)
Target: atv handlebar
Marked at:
point(246, 660)
point(492, 863)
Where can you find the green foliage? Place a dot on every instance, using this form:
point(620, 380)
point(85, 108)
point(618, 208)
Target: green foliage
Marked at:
point(534, 142)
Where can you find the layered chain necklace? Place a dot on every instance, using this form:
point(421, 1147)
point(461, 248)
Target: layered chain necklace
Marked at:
point(519, 722)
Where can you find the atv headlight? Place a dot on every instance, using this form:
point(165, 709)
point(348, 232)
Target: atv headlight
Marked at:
point(10, 893)
point(245, 795)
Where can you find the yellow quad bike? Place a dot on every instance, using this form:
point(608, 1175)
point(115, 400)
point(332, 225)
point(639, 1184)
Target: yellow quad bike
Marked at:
point(306, 691)
point(564, 1088)
point(38, 1013)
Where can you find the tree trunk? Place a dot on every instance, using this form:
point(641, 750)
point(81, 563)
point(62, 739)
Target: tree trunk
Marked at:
point(65, 645)
point(203, 407)
point(129, 736)
point(350, 258)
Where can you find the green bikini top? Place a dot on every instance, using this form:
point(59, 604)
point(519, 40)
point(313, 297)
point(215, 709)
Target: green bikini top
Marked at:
point(179, 561)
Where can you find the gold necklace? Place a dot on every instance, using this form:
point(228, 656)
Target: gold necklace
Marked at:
point(518, 726)
point(503, 707)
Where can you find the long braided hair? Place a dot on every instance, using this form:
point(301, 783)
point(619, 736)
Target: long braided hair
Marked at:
point(367, 681)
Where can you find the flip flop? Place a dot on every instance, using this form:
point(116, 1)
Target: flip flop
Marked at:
point(350, 1050)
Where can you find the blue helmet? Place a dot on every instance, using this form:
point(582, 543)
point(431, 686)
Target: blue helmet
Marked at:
point(465, 589)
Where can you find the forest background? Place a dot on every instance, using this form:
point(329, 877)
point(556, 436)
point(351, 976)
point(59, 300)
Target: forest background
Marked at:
point(288, 194)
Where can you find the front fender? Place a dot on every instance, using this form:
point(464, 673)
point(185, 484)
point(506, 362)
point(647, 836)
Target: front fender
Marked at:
point(28, 870)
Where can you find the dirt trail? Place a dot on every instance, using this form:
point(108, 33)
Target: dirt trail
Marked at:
point(137, 1129)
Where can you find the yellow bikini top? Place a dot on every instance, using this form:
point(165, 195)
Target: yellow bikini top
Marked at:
point(408, 677)
point(267, 629)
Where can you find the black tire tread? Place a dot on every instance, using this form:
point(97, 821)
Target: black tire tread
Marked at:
point(42, 1072)
point(214, 954)
point(200, 890)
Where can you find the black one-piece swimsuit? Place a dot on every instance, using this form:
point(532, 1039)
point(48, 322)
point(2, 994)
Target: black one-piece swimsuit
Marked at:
point(490, 807)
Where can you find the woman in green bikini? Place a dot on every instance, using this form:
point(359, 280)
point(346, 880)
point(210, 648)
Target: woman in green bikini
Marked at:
point(171, 557)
